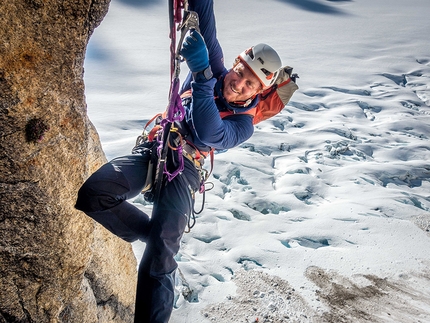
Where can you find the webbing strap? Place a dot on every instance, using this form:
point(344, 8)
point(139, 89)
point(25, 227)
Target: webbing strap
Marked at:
point(175, 111)
point(174, 105)
point(175, 17)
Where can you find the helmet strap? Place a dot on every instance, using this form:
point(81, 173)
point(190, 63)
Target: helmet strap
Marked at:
point(243, 104)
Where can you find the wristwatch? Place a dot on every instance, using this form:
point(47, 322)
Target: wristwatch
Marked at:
point(204, 75)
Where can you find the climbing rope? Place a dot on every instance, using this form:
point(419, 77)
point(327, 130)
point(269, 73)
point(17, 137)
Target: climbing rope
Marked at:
point(181, 20)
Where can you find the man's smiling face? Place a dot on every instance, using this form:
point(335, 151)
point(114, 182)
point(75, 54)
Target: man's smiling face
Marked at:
point(240, 84)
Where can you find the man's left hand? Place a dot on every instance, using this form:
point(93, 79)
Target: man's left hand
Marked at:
point(195, 52)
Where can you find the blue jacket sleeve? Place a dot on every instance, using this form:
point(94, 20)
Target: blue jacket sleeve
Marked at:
point(207, 24)
point(208, 126)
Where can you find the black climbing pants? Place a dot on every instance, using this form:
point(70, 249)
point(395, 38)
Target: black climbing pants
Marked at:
point(104, 196)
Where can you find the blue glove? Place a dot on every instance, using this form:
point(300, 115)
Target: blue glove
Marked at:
point(195, 52)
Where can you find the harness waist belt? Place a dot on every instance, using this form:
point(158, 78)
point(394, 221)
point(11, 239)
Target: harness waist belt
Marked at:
point(193, 155)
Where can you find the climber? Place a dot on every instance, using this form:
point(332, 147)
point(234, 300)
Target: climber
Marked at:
point(220, 109)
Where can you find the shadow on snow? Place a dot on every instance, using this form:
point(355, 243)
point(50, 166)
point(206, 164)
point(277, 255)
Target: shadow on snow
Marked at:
point(315, 6)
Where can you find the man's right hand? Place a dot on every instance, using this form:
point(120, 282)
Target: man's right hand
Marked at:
point(195, 53)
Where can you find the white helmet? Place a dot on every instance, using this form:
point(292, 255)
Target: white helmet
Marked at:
point(263, 61)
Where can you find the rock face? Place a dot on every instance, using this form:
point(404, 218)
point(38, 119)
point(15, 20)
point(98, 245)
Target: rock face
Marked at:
point(56, 264)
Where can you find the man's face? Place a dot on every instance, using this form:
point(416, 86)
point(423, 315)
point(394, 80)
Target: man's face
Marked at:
point(240, 84)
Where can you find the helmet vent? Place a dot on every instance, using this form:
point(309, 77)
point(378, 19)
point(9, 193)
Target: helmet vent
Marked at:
point(261, 60)
point(250, 53)
point(266, 72)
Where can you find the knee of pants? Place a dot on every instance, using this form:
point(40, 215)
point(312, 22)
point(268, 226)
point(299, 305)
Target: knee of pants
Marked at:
point(104, 189)
point(94, 198)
